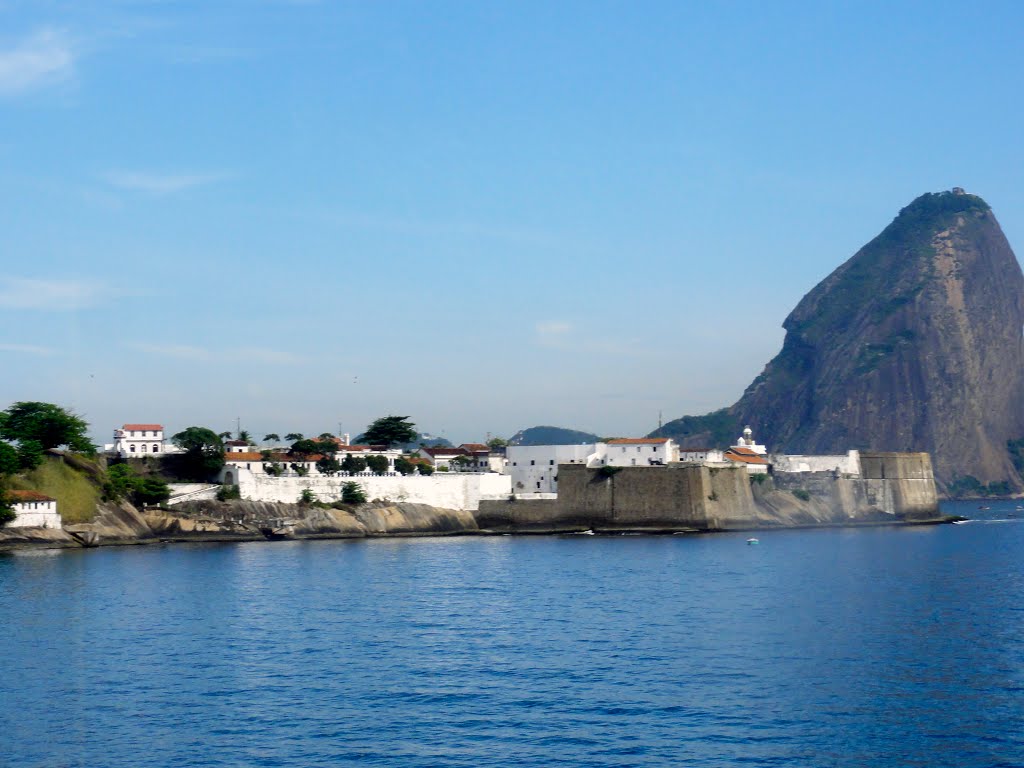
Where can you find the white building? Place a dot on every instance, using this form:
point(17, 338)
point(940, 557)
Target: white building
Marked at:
point(238, 446)
point(534, 468)
point(746, 440)
point(33, 510)
point(483, 458)
point(134, 440)
point(702, 455)
point(640, 451)
point(441, 457)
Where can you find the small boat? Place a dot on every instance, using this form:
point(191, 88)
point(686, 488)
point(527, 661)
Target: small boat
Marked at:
point(982, 507)
point(753, 541)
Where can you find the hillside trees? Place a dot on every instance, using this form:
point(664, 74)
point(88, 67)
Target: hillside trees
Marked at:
point(47, 424)
point(124, 482)
point(204, 452)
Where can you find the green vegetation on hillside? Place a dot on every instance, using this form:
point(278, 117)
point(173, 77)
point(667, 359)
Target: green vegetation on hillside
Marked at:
point(76, 494)
point(968, 487)
point(715, 429)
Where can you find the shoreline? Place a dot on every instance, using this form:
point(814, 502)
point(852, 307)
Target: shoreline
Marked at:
point(37, 539)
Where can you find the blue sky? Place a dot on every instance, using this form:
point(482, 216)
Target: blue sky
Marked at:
point(483, 215)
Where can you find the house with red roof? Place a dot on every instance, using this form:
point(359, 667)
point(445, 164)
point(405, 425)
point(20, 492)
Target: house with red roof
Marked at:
point(135, 440)
point(33, 510)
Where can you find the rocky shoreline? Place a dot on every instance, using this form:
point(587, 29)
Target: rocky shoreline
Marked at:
point(237, 521)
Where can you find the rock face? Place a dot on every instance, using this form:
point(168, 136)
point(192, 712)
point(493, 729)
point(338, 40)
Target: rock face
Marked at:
point(914, 344)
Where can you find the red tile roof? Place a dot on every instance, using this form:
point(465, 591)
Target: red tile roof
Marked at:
point(441, 451)
point(23, 496)
point(475, 447)
point(744, 456)
point(143, 427)
point(638, 441)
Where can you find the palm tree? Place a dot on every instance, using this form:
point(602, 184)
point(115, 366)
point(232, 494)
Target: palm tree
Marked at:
point(244, 435)
point(273, 437)
point(293, 436)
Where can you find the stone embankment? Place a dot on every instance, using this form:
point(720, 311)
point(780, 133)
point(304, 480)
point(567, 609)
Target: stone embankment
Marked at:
point(243, 521)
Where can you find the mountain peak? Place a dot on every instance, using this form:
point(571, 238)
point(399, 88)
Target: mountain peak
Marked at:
point(914, 343)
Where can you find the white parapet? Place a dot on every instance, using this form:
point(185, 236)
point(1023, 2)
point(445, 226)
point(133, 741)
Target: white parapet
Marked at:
point(449, 490)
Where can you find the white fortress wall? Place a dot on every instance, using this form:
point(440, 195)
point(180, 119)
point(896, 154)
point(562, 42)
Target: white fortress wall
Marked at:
point(848, 464)
point(449, 490)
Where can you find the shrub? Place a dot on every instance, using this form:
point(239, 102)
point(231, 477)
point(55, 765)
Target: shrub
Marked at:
point(7, 513)
point(377, 463)
point(757, 479)
point(802, 494)
point(404, 466)
point(300, 469)
point(608, 471)
point(228, 492)
point(425, 469)
point(353, 493)
point(353, 464)
point(328, 465)
point(307, 497)
point(273, 469)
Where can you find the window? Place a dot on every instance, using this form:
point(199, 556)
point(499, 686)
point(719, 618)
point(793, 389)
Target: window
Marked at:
point(156, 448)
point(634, 462)
point(538, 485)
point(532, 462)
point(132, 448)
point(551, 463)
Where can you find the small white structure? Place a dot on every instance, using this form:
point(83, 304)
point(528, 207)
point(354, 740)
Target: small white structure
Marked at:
point(534, 468)
point(746, 440)
point(640, 451)
point(33, 510)
point(483, 458)
point(238, 446)
point(134, 440)
point(443, 458)
point(701, 455)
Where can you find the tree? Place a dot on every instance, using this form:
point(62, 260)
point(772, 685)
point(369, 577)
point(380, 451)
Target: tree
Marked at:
point(9, 463)
point(49, 425)
point(226, 435)
point(307, 497)
point(328, 465)
point(497, 442)
point(30, 454)
point(353, 493)
point(293, 436)
point(273, 469)
point(7, 513)
point(462, 462)
point(244, 435)
point(390, 430)
point(326, 446)
point(304, 447)
point(353, 464)
point(124, 482)
point(404, 466)
point(273, 437)
point(204, 452)
point(377, 463)
point(326, 436)
point(425, 468)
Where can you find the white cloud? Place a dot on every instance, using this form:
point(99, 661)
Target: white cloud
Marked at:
point(552, 333)
point(177, 351)
point(48, 295)
point(27, 349)
point(160, 183)
point(41, 59)
point(262, 355)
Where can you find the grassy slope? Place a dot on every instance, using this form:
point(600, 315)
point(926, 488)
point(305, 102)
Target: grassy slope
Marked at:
point(76, 495)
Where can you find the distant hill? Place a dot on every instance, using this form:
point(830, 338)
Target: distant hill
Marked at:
point(551, 436)
point(913, 344)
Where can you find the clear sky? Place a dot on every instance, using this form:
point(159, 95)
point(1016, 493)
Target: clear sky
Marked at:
point(483, 215)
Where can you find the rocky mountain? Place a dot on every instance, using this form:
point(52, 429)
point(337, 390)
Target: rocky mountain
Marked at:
point(551, 436)
point(915, 343)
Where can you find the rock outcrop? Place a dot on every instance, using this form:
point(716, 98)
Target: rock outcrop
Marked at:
point(914, 344)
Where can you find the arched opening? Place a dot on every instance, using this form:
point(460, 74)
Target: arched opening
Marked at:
point(229, 478)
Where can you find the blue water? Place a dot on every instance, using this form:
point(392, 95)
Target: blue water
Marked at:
point(868, 647)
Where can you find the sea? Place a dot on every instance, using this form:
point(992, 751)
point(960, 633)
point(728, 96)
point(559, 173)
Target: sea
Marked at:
point(828, 647)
